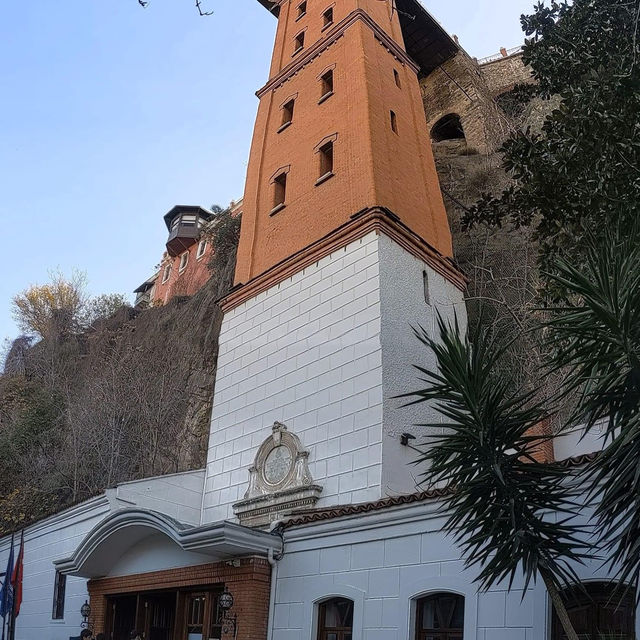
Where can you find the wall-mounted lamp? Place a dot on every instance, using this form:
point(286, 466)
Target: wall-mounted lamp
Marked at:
point(228, 622)
point(85, 612)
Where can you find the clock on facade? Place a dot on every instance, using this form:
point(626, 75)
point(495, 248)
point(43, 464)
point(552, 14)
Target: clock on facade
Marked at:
point(279, 480)
point(278, 464)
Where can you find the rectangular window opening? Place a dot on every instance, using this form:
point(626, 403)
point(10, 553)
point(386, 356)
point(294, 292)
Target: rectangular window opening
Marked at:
point(394, 121)
point(184, 258)
point(425, 286)
point(327, 18)
point(287, 113)
point(326, 85)
point(396, 77)
point(326, 161)
point(302, 10)
point(202, 246)
point(299, 43)
point(166, 274)
point(279, 192)
point(59, 588)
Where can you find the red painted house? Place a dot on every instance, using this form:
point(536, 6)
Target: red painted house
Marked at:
point(183, 269)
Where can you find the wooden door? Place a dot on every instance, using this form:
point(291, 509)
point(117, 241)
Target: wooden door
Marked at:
point(201, 616)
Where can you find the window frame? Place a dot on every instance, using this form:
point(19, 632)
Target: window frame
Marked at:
point(184, 261)
point(328, 21)
point(302, 10)
point(326, 160)
point(166, 273)
point(298, 41)
point(341, 633)
point(288, 111)
point(59, 596)
point(200, 252)
point(396, 77)
point(452, 633)
point(597, 595)
point(327, 84)
point(279, 182)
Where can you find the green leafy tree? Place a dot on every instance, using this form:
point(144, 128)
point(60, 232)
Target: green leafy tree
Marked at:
point(583, 170)
point(500, 499)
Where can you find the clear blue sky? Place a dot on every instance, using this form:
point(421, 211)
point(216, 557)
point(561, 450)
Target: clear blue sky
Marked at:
point(110, 114)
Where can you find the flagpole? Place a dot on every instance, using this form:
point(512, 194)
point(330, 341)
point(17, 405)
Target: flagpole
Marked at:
point(16, 581)
point(6, 593)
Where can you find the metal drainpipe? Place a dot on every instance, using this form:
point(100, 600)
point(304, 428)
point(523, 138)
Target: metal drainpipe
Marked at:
point(272, 598)
point(273, 561)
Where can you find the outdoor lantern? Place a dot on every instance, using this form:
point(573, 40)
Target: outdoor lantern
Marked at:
point(229, 622)
point(226, 600)
point(85, 612)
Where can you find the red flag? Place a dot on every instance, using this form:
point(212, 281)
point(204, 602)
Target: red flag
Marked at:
point(16, 578)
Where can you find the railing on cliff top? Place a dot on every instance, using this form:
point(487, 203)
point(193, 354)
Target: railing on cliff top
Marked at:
point(505, 53)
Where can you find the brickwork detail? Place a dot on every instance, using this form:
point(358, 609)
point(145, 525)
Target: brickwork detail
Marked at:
point(250, 584)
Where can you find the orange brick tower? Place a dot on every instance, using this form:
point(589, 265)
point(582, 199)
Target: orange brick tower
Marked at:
point(340, 129)
point(344, 246)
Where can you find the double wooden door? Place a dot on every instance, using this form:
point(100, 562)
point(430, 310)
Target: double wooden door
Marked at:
point(169, 615)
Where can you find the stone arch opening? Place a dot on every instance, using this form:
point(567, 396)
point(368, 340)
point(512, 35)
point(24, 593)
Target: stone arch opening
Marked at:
point(449, 127)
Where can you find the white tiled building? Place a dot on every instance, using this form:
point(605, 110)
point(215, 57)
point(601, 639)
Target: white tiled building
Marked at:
point(309, 511)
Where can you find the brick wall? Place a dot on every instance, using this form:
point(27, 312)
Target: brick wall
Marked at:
point(186, 282)
point(249, 583)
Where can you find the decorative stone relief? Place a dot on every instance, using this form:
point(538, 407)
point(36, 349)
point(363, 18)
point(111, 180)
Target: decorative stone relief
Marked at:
point(279, 480)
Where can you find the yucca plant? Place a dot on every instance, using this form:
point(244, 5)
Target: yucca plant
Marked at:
point(595, 340)
point(499, 508)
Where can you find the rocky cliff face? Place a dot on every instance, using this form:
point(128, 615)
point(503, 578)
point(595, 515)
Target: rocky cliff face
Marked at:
point(128, 398)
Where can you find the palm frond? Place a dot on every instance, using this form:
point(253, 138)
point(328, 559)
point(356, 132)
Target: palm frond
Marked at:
point(500, 510)
point(596, 340)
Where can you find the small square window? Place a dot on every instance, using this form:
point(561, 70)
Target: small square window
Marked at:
point(326, 161)
point(326, 85)
point(302, 10)
point(279, 192)
point(396, 77)
point(202, 247)
point(184, 259)
point(287, 113)
point(166, 274)
point(394, 121)
point(327, 18)
point(299, 43)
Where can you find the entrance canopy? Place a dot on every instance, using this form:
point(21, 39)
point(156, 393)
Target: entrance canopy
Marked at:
point(121, 531)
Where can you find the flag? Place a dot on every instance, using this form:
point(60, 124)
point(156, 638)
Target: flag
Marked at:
point(16, 578)
point(6, 594)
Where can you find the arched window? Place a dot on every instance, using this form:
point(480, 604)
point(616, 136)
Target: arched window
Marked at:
point(440, 616)
point(447, 128)
point(335, 619)
point(597, 611)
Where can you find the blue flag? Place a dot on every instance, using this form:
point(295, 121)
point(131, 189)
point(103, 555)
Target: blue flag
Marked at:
point(6, 593)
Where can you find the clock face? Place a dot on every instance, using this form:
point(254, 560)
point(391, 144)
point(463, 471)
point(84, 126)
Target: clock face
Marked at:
point(277, 465)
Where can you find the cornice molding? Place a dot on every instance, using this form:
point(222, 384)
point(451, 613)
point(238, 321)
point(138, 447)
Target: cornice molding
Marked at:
point(373, 219)
point(335, 34)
